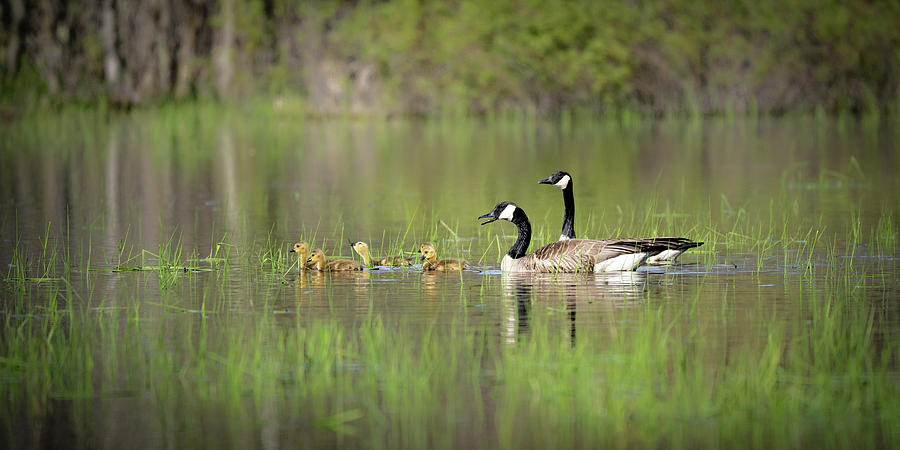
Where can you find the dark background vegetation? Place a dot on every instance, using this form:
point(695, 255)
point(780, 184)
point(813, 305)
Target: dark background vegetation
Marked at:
point(459, 56)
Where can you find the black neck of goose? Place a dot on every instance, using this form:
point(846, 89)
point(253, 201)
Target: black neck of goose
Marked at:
point(568, 228)
point(521, 246)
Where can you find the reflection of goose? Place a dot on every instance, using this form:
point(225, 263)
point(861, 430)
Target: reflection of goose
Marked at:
point(571, 255)
point(599, 286)
point(323, 264)
point(594, 298)
point(362, 249)
point(432, 263)
point(675, 245)
point(621, 282)
point(302, 249)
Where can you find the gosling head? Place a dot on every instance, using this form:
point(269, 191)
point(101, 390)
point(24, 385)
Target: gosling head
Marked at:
point(360, 247)
point(503, 211)
point(300, 247)
point(559, 179)
point(317, 257)
point(428, 252)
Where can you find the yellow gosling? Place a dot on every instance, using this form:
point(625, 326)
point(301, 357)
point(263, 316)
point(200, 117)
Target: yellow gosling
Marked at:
point(302, 249)
point(362, 249)
point(321, 263)
point(440, 265)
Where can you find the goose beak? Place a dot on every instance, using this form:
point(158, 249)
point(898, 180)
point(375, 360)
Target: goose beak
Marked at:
point(489, 215)
point(546, 181)
point(309, 260)
point(352, 244)
point(292, 250)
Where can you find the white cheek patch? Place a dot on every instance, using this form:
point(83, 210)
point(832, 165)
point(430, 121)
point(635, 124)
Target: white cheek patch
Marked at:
point(563, 182)
point(507, 213)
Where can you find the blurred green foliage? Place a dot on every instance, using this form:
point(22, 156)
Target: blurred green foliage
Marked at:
point(661, 56)
point(486, 56)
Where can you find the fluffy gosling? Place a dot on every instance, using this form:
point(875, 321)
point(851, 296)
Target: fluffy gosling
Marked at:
point(302, 249)
point(362, 249)
point(323, 264)
point(439, 265)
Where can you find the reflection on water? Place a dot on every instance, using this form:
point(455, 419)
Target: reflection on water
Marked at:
point(366, 180)
point(600, 293)
point(114, 195)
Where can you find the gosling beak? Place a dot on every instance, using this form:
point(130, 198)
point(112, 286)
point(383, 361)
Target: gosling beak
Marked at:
point(309, 260)
point(489, 215)
point(546, 181)
point(352, 244)
point(292, 250)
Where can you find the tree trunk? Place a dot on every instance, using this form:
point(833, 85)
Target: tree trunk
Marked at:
point(48, 54)
point(142, 63)
point(163, 48)
point(17, 12)
point(224, 50)
point(111, 64)
point(185, 57)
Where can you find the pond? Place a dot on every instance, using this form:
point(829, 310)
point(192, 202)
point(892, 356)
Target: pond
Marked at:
point(151, 301)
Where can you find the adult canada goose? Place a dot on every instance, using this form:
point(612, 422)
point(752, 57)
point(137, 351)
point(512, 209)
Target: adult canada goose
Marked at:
point(570, 255)
point(302, 249)
point(362, 249)
point(441, 265)
point(562, 180)
point(323, 264)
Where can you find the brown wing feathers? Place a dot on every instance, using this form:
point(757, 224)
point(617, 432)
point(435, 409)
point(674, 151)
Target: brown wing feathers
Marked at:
point(583, 254)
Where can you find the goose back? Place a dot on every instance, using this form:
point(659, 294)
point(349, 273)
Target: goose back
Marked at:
point(584, 255)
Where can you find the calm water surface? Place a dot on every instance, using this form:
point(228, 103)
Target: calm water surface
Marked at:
point(778, 203)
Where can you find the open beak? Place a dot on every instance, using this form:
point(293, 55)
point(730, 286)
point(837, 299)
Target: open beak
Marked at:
point(309, 260)
point(546, 181)
point(489, 215)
